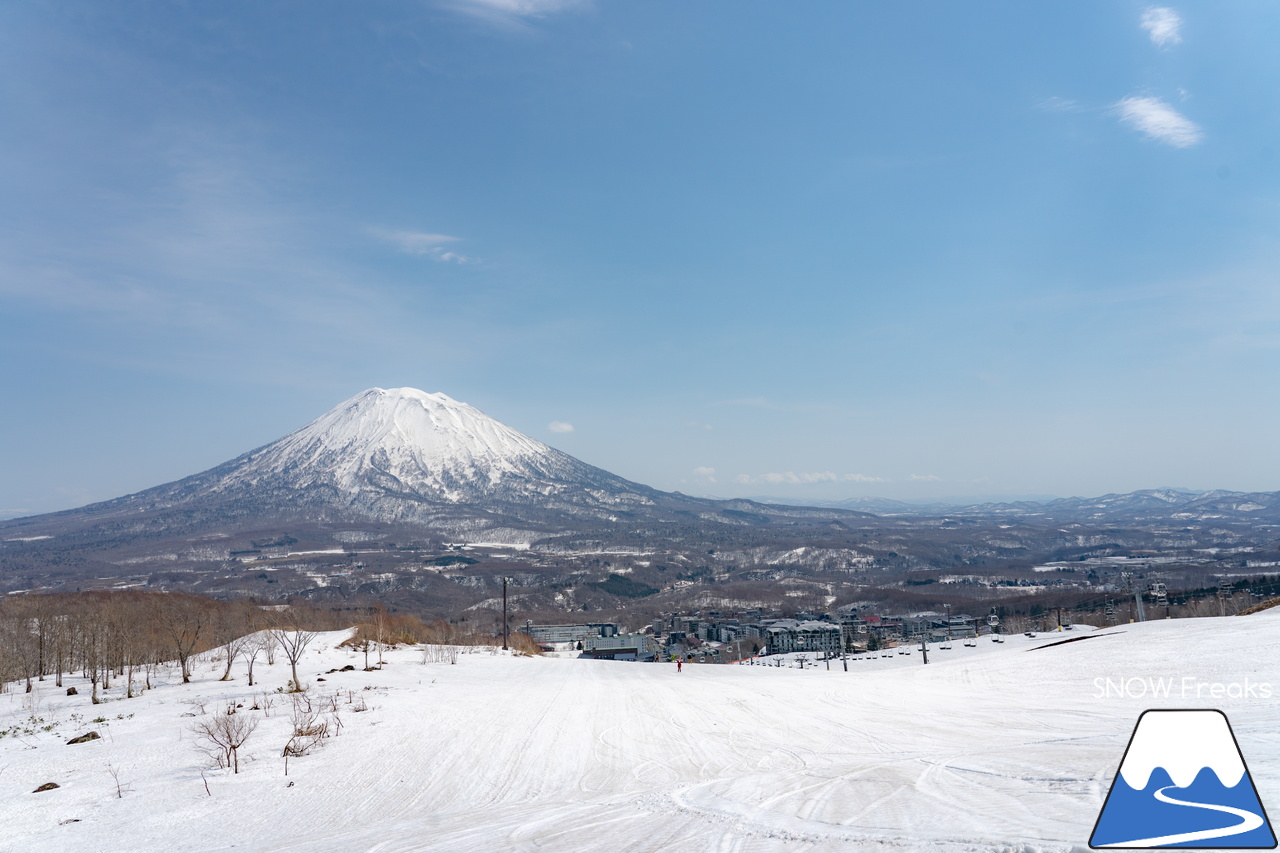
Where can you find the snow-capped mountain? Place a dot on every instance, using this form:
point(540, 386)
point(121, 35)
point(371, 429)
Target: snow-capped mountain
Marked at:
point(399, 455)
point(403, 443)
point(421, 473)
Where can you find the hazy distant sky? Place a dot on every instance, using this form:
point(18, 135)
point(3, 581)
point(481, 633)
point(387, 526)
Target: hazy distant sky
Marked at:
point(817, 249)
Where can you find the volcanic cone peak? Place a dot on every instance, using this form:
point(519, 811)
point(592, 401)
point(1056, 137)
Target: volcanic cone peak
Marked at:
point(418, 445)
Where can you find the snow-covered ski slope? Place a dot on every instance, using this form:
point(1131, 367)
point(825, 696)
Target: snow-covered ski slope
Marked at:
point(998, 747)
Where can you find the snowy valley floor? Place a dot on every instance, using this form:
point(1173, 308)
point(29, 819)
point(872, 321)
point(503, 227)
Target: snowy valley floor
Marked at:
point(998, 747)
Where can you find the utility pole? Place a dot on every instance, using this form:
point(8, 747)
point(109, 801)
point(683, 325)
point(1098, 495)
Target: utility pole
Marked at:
point(924, 647)
point(504, 614)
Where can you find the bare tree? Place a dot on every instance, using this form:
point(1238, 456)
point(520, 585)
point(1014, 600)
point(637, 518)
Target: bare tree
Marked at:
point(44, 620)
point(91, 642)
point(61, 633)
point(10, 643)
point(309, 728)
point(381, 625)
point(254, 645)
point(361, 643)
point(125, 642)
point(231, 649)
point(26, 640)
point(232, 630)
point(293, 642)
point(184, 619)
point(222, 735)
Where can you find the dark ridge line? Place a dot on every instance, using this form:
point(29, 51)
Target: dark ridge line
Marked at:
point(1074, 640)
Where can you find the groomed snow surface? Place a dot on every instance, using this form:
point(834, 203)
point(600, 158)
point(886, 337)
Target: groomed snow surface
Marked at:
point(997, 747)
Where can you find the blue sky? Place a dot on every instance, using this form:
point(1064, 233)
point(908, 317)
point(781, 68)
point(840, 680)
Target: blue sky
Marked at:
point(805, 250)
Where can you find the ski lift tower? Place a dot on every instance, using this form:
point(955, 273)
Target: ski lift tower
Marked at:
point(1132, 586)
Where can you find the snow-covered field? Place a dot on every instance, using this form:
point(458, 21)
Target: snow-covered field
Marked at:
point(999, 747)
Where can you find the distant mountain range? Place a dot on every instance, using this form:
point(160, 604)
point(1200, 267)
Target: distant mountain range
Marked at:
point(403, 458)
point(1140, 506)
point(385, 490)
point(407, 457)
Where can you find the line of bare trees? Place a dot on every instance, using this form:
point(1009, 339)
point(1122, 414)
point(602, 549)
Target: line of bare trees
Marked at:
point(381, 629)
point(122, 637)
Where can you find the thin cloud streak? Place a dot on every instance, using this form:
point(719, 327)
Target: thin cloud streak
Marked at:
point(793, 478)
point(207, 273)
point(512, 15)
point(523, 8)
point(1056, 104)
point(1159, 121)
point(423, 244)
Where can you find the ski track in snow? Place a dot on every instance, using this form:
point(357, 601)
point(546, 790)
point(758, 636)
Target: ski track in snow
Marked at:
point(984, 749)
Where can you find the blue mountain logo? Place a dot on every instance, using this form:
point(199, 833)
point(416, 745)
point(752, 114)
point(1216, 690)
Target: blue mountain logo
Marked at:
point(1183, 783)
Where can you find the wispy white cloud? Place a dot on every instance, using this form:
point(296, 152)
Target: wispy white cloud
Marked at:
point(924, 478)
point(705, 471)
point(207, 272)
point(196, 261)
point(793, 478)
point(803, 477)
point(560, 426)
point(1159, 121)
point(790, 478)
point(1163, 25)
point(423, 243)
point(525, 8)
point(1056, 104)
point(512, 14)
